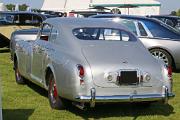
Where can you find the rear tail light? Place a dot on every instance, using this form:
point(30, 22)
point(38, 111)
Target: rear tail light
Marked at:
point(81, 73)
point(169, 68)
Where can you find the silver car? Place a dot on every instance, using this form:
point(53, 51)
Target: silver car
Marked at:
point(91, 61)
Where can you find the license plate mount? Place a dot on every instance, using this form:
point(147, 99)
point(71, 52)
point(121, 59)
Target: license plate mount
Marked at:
point(128, 78)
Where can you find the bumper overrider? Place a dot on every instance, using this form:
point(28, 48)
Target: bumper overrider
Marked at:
point(165, 96)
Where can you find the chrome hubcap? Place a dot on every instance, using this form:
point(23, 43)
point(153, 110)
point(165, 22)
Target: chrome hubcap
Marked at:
point(160, 55)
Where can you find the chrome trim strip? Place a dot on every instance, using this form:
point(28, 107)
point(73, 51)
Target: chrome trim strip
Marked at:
point(92, 99)
point(125, 98)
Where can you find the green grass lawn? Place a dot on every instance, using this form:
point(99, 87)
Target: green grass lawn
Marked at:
point(22, 102)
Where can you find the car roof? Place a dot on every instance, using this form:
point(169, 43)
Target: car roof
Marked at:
point(165, 16)
point(117, 15)
point(84, 22)
point(18, 12)
point(23, 12)
point(132, 17)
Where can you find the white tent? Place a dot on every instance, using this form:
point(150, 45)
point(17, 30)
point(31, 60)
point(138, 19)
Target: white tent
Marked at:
point(65, 5)
point(2, 7)
point(135, 7)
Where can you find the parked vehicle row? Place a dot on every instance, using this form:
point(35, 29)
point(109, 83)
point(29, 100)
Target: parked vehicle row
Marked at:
point(89, 61)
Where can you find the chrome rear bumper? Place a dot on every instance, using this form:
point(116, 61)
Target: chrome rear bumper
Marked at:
point(165, 96)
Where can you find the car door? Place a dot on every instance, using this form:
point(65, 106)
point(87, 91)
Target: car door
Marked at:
point(38, 50)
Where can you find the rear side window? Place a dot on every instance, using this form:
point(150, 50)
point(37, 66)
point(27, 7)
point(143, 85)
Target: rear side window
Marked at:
point(142, 30)
point(108, 34)
point(130, 25)
point(28, 19)
point(169, 22)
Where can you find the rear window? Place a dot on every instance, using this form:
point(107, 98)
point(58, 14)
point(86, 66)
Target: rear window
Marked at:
point(108, 34)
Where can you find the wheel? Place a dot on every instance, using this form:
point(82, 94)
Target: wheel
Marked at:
point(162, 55)
point(18, 77)
point(54, 99)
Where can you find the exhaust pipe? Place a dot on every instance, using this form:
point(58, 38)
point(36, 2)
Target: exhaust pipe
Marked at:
point(165, 94)
point(79, 105)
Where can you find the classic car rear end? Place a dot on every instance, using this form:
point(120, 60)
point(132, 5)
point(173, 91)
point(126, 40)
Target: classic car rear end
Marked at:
point(120, 75)
point(91, 61)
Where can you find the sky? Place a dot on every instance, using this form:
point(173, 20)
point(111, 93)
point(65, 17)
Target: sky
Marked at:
point(169, 5)
point(166, 5)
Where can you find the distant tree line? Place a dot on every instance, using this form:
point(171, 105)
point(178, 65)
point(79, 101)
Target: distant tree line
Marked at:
point(177, 13)
point(22, 7)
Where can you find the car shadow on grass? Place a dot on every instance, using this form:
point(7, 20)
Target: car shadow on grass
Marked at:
point(124, 110)
point(4, 50)
point(17, 114)
point(37, 88)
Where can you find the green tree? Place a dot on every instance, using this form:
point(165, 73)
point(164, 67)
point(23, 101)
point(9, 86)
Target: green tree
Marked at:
point(173, 13)
point(10, 7)
point(178, 12)
point(23, 7)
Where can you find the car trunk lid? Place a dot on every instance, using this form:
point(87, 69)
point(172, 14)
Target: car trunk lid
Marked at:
point(125, 59)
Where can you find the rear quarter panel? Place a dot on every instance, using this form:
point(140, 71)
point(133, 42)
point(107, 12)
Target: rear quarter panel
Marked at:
point(63, 62)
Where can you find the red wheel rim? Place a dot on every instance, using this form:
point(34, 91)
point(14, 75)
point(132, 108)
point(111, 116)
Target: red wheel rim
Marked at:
point(55, 90)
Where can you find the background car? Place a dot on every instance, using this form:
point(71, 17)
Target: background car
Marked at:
point(89, 61)
point(162, 40)
point(86, 13)
point(173, 21)
point(12, 21)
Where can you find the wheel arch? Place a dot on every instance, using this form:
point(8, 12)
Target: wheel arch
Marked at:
point(15, 59)
point(49, 69)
